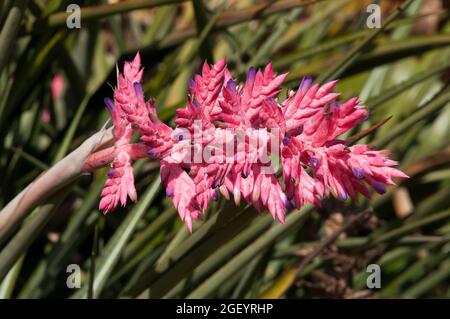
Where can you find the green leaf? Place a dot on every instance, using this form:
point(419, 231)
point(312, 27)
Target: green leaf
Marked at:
point(113, 250)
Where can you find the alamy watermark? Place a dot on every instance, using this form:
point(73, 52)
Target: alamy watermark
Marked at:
point(211, 145)
point(73, 20)
point(374, 19)
point(374, 279)
point(73, 280)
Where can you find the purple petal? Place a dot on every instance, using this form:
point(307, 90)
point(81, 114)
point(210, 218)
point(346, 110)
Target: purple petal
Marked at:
point(286, 140)
point(191, 85)
point(335, 106)
point(288, 205)
point(151, 152)
point(215, 184)
point(380, 188)
point(306, 82)
point(286, 202)
point(358, 172)
point(314, 162)
point(196, 104)
point(365, 118)
point(251, 75)
point(213, 195)
point(138, 89)
point(169, 192)
point(231, 85)
point(109, 104)
point(179, 136)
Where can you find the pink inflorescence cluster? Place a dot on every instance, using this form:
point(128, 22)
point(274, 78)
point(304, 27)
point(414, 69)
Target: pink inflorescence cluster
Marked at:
point(302, 131)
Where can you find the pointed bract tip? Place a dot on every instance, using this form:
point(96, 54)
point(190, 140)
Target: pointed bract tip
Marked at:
point(333, 83)
point(137, 58)
point(399, 174)
point(221, 63)
point(206, 69)
point(188, 222)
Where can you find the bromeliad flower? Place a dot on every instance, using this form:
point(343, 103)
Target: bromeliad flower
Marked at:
point(227, 136)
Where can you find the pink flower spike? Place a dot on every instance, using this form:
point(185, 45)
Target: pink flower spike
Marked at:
point(252, 121)
point(119, 185)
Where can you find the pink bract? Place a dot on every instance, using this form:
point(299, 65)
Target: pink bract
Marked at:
point(302, 131)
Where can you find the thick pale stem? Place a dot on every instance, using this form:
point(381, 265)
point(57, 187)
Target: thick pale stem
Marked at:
point(106, 156)
point(65, 171)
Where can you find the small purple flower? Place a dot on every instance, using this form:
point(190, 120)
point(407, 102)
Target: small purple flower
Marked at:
point(214, 196)
point(335, 106)
point(191, 85)
point(231, 85)
point(314, 162)
point(358, 172)
point(169, 192)
point(379, 187)
point(151, 152)
point(196, 104)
